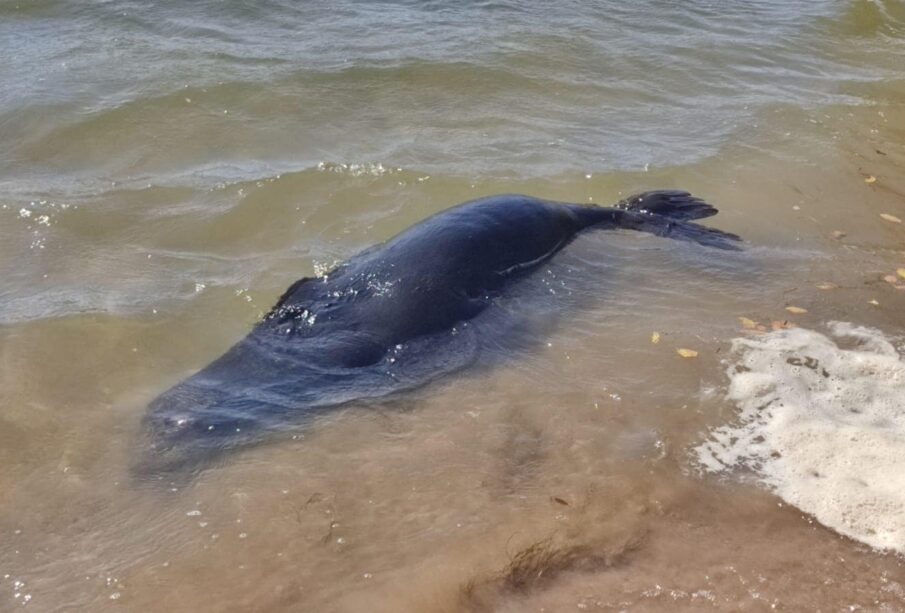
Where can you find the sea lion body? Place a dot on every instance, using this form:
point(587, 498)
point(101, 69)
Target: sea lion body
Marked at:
point(386, 319)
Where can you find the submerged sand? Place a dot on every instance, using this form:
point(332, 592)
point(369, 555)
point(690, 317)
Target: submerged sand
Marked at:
point(564, 478)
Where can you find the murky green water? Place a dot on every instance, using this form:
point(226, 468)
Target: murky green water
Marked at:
point(167, 170)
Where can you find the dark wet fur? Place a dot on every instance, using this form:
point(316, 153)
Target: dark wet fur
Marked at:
point(392, 318)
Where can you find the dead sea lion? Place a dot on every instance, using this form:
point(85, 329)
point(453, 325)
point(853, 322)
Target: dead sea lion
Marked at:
point(391, 318)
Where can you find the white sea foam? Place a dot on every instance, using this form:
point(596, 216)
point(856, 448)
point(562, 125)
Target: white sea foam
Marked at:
point(821, 423)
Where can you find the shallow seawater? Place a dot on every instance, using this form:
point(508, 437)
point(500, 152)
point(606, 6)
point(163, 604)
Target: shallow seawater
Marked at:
point(166, 171)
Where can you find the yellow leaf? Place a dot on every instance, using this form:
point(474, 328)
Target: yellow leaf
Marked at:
point(873, 302)
point(827, 285)
point(890, 279)
point(900, 272)
point(891, 218)
point(687, 353)
point(747, 324)
point(796, 310)
point(655, 338)
point(870, 179)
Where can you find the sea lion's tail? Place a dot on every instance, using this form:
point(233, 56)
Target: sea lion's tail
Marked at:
point(668, 213)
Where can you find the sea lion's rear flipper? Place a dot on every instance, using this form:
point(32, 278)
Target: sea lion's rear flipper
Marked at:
point(667, 213)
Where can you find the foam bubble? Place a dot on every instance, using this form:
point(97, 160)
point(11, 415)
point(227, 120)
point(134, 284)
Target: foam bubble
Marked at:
point(821, 423)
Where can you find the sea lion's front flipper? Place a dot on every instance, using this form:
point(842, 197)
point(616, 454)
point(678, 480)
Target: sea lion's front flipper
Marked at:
point(289, 294)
